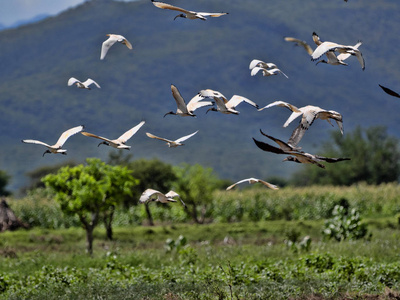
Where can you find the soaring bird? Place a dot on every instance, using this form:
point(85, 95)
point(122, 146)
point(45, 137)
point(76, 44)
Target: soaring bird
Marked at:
point(295, 156)
point(56, 148)
point(301, 43)
point(267, 69)
point(118, 143)
point(82, 85)
point(332, 58)
point(187, 13)
point(113, 38)
point(325, 47)
point(154, 195)
point(183, 109)
point(309, 114)
point(252, 181)
point(223, 105)
point(172, 144)
point(389, 91)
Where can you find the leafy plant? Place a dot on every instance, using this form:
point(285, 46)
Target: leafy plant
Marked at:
point(344, 225)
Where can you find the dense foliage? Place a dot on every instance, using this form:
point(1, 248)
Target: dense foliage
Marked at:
point(4, 180)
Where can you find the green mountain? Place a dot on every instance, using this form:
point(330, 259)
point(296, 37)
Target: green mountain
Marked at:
point(38, 59)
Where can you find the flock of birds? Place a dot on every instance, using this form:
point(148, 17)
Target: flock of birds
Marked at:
point(335, 54)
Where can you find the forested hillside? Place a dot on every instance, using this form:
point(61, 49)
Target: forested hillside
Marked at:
point(37, 60)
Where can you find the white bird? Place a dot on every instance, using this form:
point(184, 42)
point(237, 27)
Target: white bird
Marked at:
point(267, 72)
point(113, 38)
point(325, 47)
point(223, 105)
point(301, 43)
point(192, 15)
point(309, 114)
point(172, 144)
point(252, 181)
point(259, 63)
point(82, 85)
point(183, 109)
point(154, 195)
point(56, 148)
point(118, 143)
point(332, 58)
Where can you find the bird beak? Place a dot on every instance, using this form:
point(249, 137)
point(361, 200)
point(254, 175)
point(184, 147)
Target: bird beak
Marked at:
point(168, 113)
point(100, 144)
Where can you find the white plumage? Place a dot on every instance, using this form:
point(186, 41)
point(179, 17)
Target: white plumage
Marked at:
point(118, 143)
point(252, 181)
point(170, 143)
point(56, 148)
point(154, 195)
point(113, 38)
point(82, 85)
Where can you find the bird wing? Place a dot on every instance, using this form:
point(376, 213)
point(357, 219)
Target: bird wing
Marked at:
point(184, 138)
point(211, 94)
point(293, 116)
point(158, 138)
point(308, 158)
point(236, 100)
point(268, 147)
point(96, 136)
point(72, 80)
point(284, 146)
point(297, 135)
point(254, 63)
point(344, 56)
point(169, 6)
point(276, 70)
point(269, 185)
point(196, 103)
point(389, 91)
point(300, 43)
point(146, 195)
point(255, 70)
point(331, 159)
point(90, 81)
point(325, 47)
point(215, 15)
point(283, 104)
point(66, 134)
point(107, 44)
point(126, 42)
point(172, 194)
point(36, 142)
point(360, 59)
point(127, 135)
point(236, 183)
point(180, 102)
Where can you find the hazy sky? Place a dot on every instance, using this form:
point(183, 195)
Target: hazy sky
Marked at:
point(12, 11)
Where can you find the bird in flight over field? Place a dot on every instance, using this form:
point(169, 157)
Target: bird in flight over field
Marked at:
point(113, 38)
point(154, 195)
point(172, 144)
point(118, 143)
point(252, 181)
point(183, 109)
point(223, 105)
point(57, 147)
point(187, 14)
point(82, 85)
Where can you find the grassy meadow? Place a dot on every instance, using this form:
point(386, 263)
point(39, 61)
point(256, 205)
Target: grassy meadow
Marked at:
point(252, 246)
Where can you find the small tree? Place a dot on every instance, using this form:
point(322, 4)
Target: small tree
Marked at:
point(90, 191)
point(196, 185)
point(4, 179)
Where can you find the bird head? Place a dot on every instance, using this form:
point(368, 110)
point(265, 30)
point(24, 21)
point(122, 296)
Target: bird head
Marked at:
point(180, 16)
point(321, 61)
point(104, 143)
point(47, 151)
point(169, 113)
point(212, 108)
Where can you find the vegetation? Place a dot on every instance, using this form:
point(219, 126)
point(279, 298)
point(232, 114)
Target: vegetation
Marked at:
point(91, 192)
point(375, 159)
point(4, 179)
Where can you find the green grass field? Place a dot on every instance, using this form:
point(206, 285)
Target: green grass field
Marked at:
point(262, 259)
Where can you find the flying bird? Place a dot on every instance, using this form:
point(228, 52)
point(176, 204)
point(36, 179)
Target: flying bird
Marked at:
point(325, 47)
point(192, 15)
point(223, 105)
point(389, 91)
point(309, 114)
point(113, 38)
point(301, 43)
point(183, 109)
point(172, 144)
point(118, 143)
point(252, 181)
point(154, 195)
point(57, 147)
point(296, 156)
point(332, 58)
point(267, 69)
point(82, 85)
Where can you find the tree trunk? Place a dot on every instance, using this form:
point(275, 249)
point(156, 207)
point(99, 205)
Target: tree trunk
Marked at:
point(108, 217)
point(193, 213)
point(89, 227)
point(149, 217)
